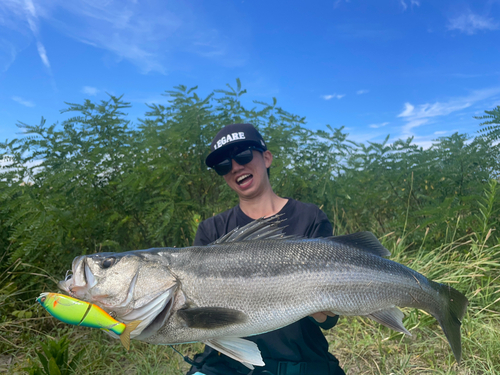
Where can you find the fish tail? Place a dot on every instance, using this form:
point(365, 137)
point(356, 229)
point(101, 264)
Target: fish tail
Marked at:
point(451, 315)
point(125, 336)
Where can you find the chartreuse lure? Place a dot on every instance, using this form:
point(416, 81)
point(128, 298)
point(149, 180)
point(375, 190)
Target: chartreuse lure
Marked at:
point(80, 313)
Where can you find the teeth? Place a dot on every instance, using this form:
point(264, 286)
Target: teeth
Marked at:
point(89, 277)
point(239, 179)
point(81, 280)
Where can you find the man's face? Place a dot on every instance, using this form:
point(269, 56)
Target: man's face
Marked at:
point(250, 179)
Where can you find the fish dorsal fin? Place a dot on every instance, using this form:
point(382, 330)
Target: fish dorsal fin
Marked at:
point(211, 317)
point(392, 318)
point(241, 350)
point(364, 241)
point(260, 229)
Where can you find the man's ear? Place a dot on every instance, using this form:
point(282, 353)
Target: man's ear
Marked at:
point(268, 158)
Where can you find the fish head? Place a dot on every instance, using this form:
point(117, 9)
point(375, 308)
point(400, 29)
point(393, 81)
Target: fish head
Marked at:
point(132, 286)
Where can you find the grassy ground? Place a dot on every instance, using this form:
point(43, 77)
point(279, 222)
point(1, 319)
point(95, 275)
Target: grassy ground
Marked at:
point(362, 346)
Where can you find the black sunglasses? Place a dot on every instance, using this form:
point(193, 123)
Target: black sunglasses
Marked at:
point(240, 157)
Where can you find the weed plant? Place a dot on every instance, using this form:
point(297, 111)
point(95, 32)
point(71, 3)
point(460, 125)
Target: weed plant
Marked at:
point(98, 182)
point(362, 346)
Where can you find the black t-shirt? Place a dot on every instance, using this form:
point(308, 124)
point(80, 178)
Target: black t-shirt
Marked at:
point(301, 341)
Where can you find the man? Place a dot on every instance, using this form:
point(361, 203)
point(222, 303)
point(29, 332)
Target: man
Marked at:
point(240, 155)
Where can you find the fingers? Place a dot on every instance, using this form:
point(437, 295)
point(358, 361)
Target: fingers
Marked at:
point(320, 317)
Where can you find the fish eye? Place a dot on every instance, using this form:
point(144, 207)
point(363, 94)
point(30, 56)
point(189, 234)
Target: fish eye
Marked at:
point(108, 262)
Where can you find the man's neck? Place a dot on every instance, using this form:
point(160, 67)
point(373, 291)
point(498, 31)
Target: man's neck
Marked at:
point(265, 205)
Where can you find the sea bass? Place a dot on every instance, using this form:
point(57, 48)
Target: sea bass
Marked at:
point(255, 280)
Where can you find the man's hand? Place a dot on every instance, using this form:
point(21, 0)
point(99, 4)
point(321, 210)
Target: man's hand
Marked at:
point(320, 317)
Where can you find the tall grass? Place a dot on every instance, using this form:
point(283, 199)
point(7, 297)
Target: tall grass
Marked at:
point(473, 268)
point(470, 263)
point(105, 185)
point(362, 346)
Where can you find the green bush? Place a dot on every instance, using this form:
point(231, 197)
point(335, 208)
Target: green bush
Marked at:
point(100, 182)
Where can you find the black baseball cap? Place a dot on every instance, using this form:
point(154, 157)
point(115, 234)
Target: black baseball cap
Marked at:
point(241, 135)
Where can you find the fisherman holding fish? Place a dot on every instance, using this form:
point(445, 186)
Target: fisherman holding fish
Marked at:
point(240, 155)
point(258, 279)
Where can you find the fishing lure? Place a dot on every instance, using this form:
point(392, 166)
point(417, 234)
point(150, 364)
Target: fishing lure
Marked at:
point(80, 313)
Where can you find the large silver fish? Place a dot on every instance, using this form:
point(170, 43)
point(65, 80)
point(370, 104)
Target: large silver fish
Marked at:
point(255, 280)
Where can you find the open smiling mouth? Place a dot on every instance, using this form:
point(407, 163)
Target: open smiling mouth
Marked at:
point(243, 179)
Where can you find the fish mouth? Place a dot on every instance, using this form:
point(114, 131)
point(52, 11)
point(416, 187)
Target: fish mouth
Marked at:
point(81, 279)
point(151, 312)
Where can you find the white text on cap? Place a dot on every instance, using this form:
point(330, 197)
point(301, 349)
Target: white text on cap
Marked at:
point(229, 138)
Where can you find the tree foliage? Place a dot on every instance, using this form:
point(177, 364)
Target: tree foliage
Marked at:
point(492, 124)
point(98, 182)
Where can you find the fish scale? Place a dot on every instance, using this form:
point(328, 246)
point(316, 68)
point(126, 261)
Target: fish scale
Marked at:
point(307, 280)
point(255, 280)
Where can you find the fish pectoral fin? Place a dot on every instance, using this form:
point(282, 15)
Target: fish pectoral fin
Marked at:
point(392, 318)
point(211, 317)
point(241, 350)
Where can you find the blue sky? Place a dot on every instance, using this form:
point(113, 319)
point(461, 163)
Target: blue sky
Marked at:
point(402, 67)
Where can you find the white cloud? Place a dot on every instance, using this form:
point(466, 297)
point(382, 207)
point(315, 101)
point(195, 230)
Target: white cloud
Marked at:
point(469, 23)
point(146, 35)
point(6, 164)
point(22, 101)
point(336, 96)
point(416, 116)
point(376, 126)
point(32, 19)
point(337, 3)
point(8, 54)
point(412, 3)
point(407, 111)
point(22, 17)
point(88, 90)
point(360, 92)
point(43, 54)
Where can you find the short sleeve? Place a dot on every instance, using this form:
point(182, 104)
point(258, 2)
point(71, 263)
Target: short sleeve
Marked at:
point(322, 226)
point(201, 238)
